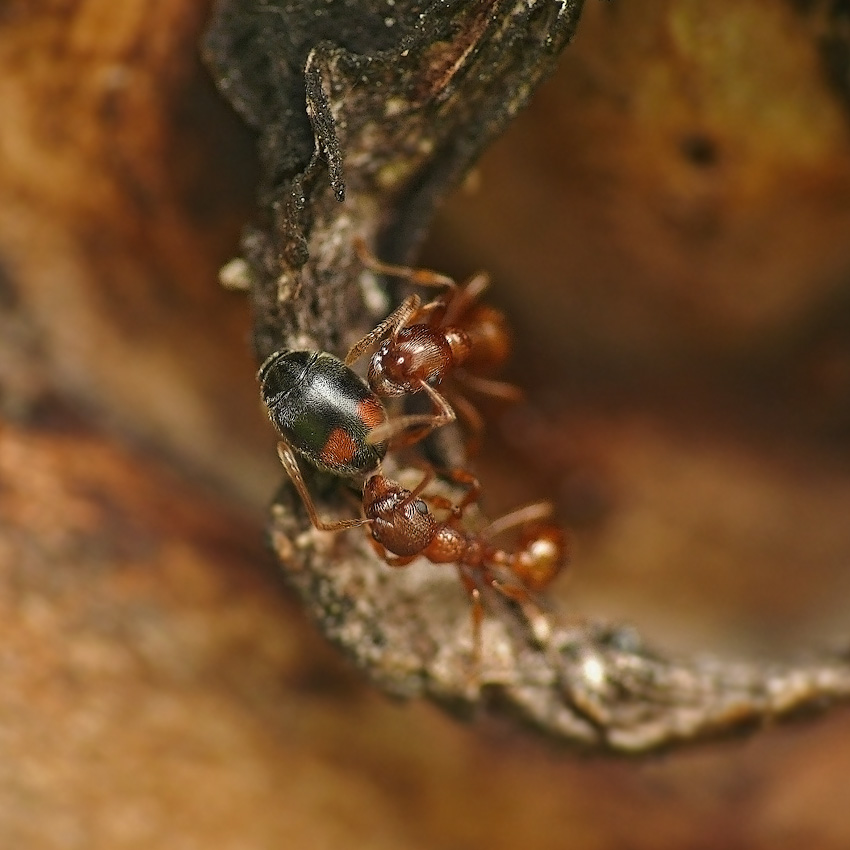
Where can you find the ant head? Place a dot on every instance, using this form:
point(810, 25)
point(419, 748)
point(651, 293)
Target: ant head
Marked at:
point(400, 522)
point(378, 487)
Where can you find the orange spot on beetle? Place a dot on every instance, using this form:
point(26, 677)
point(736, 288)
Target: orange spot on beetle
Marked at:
point(370, 413)
point(339, 449)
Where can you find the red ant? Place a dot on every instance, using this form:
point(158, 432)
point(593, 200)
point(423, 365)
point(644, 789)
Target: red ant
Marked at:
point(428, 342)
point(403, 529)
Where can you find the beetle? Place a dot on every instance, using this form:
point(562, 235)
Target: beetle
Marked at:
point(324, 412)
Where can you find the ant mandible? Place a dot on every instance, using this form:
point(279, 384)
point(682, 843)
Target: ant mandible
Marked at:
point(403, 528)
point(428, 342)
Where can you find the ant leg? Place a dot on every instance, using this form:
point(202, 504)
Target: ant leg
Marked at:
point(290, 464)
point(467, 411)
point(426, 422)
point(397, 319)
point(466, 295)
point(487, 386)
point(390, 560)
point(432, 313)
point(460, 477)
point(510, 591)
point(465, 479)
point(477, 614)
point(536, 512)
point(423, 277)
point(427, 478)
point(472, 419)
point(535, 615)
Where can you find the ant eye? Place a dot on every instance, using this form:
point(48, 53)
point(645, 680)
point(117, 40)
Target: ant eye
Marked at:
point(420, 506)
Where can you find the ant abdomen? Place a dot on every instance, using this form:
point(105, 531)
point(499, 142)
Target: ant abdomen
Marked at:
point(489, 338)
point(541, 555)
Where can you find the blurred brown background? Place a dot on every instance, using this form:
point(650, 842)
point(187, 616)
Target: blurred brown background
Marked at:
point(669, 226)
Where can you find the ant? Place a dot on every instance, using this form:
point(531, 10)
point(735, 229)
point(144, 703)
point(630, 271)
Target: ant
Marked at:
point(403, 529)
point(425, 343)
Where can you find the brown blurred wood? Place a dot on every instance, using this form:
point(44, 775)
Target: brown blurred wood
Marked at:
point(156, 689)
point(692, 165)
point(150, 670)
point(123, 184)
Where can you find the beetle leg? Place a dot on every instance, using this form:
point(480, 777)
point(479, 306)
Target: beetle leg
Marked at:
point(290, 464)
